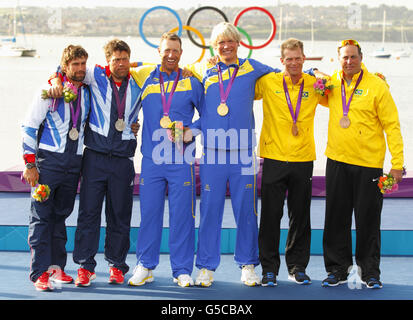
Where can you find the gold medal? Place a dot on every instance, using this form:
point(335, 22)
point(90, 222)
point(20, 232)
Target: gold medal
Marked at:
point(345, 122)
point(73, 134)
point(120, 125)
point(222, 109)
point(294, 129)
point(165, 122)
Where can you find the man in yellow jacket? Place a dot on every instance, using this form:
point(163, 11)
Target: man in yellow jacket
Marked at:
point(361, 111)
point(288, 148)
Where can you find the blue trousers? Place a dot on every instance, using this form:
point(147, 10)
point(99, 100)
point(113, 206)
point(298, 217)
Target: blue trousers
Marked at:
point(47, 229)
point(238, 168)
point(179, 181)
point(108, 178)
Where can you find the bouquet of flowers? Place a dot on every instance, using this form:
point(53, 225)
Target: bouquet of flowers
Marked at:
point(387, 184)
point(41, 193)
point(69, 95)
point(322, 86)
point(176, 131)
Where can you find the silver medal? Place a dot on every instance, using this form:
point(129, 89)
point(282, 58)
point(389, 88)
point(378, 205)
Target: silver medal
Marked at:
point(120, 125)
point(73, 134)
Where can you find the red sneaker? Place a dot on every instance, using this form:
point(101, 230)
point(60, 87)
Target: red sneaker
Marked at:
point(59, 276)
point(84, 277)
point(43, 283)
point(116, 276)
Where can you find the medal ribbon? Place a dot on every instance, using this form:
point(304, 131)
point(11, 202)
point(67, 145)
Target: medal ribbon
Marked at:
point(290, 105)
point(346, 106)
point(120, 104)
point(166, 105)
point(224, 95)
point(75, 116)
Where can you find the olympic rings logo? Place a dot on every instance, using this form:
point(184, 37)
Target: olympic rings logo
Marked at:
point(203, 45)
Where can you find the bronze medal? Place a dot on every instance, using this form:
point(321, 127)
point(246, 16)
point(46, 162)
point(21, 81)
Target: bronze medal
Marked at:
point(165, 122)
point(73, 134)
point(120, 125)
point(345, 122)
point(294, 130)
point(222, 109)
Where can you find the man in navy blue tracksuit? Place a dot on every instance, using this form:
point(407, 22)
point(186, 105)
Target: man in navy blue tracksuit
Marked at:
point(107, 168)
point(53, 135)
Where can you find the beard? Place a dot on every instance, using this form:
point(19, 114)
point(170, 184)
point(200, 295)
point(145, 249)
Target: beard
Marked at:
point(77, 76)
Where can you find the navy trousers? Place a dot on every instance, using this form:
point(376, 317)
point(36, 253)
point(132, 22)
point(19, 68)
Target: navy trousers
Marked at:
point(109, 178)
point(47, 228)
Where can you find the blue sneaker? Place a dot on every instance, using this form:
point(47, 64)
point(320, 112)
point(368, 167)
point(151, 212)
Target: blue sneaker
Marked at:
point(300, 278)
point(333, 280)
point(373, 283)
point(269, 279)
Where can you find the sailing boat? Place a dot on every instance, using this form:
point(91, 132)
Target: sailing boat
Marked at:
point(278, 54)
point(381, 53)
point(310, 57)
point(404, 51)
point(9, 47)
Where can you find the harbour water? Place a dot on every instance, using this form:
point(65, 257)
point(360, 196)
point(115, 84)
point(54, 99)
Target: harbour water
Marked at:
point(22, 77)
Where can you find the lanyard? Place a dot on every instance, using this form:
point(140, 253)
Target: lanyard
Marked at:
point(224, 95)
point(346, 106)
point(290, 105)
point(166, 105)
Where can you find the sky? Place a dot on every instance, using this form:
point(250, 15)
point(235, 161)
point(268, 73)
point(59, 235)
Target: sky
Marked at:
point(175, 4)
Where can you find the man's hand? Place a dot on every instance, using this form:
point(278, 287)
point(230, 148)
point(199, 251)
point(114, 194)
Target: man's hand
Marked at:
point(213, 60)
point(319, 74)
point(31, 176)
point(187, 135)
point(56, 91)
point(135, 128)
point(397, 175)
point(186, 73)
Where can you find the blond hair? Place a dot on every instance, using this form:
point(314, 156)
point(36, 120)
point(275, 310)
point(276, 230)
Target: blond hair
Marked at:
point(291, 44)
point(224, 30)
point(171, 36)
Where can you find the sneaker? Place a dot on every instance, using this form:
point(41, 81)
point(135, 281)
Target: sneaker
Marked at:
point(43, 283)
point(269, 280)
point(249, 277)
point(300, 278)
point(141, 275)
point(373, 283)
point(333, 280)
point(116, 276)
point(184, 280)
point(205, 278)
point(84, 277)
point(59, 276)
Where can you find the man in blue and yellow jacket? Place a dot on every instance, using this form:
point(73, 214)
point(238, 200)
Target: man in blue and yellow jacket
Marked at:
point(167, 163)
point(228, 137)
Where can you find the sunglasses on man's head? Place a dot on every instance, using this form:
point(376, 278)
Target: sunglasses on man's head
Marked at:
point(349, 42)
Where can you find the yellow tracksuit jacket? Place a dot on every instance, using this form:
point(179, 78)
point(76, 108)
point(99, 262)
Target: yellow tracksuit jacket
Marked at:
point(277, 141)
point(372, 113)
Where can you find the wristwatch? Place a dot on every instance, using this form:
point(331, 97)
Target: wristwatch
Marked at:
point(30, 165)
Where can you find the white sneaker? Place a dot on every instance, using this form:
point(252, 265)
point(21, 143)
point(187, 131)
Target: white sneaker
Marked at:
point(184, 280)
point(205, 278)
point(141, 275)
point(249, 277)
